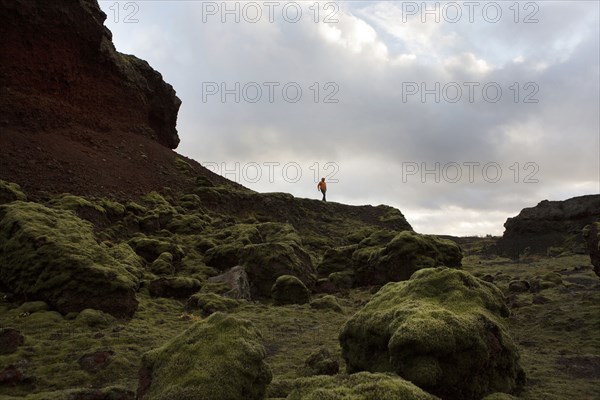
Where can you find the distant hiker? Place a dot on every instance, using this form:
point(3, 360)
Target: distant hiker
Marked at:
point(322, 186)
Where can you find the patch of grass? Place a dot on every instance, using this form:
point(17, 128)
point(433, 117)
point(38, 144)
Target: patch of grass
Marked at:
point(557, 340)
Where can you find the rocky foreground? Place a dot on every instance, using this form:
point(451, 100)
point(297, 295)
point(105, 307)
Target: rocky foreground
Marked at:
point(166, 298)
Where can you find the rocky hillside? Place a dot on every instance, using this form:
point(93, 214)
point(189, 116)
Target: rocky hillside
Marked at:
point(550, 224)
point(78, 116)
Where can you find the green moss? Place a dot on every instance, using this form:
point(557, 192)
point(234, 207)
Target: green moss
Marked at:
point(52, 255)
point(378, 238)
point(10, 192)
point(150, 248)
point(554, 251)
point(406, 253)
point(553, 277)
point(160, 212)
point(210, 303)
point(112, 208)
point(327, 302)
point(188, 223)
point(336, 260)
point(442, 330)
point(155, 199)
point(358, 235)
point(288, 289)
point(70, 202)
point(223, 257)
point(94, 318)
point(163, 265)
point(219, 358)
point(178, 287)
point(342, 280)
point(128, 258)
point(240, 233)
point(183, 165)
point(108, 393)
point(190, 201)
point(499, 396)
point(135, 208)
point(203, 182)
point(32, 307)
point(360, 386)
point(266, 262)
point(321, 362)
point(271, 232)
point(392, 215)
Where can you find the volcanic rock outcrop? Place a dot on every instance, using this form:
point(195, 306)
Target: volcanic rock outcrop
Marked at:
point(550, 223)
point(76, 115)
point(60, 66)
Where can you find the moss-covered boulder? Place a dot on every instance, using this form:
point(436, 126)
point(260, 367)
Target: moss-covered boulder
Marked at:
point(94, 318)
point(150, 248)
point(52, 255)
point(288, 289)
point(266, 262)
point(220, 358)
point(163, 265)
point(188, 223)
point(224, 256)
point(406, 253)
point(82, 207)
point(337, 259)
point(499, 396)
point(210, 303)
point(321, 362)
point(10, 192)
point(178, 287)
point(327, 302)
point(360, 386)
point(442, 330)
point(386, 256)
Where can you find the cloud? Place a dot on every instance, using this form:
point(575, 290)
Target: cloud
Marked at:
point(522, 97)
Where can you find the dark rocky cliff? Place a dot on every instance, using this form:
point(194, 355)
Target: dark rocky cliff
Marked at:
point(59, 67)
point(549, 224)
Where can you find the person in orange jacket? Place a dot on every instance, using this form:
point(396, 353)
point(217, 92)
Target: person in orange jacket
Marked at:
point(322, 186)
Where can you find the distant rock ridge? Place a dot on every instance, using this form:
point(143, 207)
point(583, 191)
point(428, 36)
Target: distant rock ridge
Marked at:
point(550, 224)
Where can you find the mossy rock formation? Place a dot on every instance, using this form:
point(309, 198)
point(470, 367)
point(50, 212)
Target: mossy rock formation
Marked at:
point(321, 362)
point(220, 358)
point(327, 302)
point(406, 253)
point(177, 287)
point(210, 303)
point(10, 192)
point(289, 290)
point(266, 262)
point(387, 256)
point(360, 386)
point(52, 255)
point(442, 330)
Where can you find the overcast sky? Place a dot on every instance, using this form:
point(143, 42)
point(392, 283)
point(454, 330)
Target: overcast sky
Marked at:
point(459, 122)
